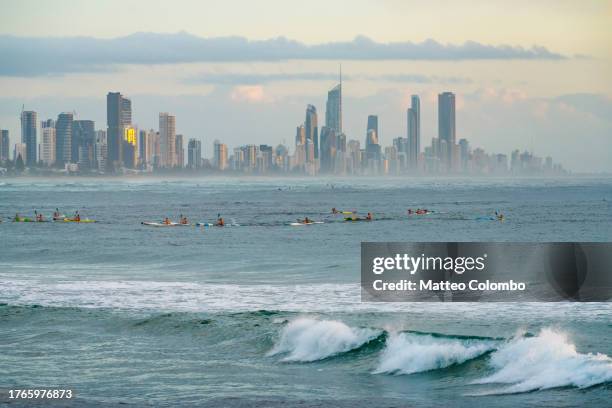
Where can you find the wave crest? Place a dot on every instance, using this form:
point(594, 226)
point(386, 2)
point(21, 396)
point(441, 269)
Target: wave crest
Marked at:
point(409, 353)
point(548, 360)
point(306, 339)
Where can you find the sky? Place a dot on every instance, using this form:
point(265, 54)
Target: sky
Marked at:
point(532, 75)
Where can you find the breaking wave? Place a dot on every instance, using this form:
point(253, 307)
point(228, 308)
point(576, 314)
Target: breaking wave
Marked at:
point(409, 353)
point(306, 339)
point(548, 360)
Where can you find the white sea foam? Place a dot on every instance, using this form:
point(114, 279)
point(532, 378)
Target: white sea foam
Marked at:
point(306, 339)
point(408, 353)
point(58, 291)
point(548, 360)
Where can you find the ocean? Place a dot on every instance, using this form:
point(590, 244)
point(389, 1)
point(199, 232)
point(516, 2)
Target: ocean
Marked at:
point(264, 314)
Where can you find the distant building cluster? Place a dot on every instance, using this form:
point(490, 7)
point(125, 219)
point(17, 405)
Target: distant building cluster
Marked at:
point(70, 145)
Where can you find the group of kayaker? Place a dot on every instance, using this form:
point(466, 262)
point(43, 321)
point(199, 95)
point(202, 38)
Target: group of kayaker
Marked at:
point(39, 217)
point(183, 220)
point(352, 215)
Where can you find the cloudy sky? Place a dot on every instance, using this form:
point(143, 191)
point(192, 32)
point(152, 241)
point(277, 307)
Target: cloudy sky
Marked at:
point(532, 75)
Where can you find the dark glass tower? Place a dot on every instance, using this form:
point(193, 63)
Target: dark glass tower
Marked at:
point(29, 121)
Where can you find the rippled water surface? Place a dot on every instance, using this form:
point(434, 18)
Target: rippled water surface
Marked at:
point(262, 313)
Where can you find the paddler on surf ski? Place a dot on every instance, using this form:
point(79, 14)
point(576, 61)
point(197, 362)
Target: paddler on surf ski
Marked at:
point(368, 217)
point(220, 222)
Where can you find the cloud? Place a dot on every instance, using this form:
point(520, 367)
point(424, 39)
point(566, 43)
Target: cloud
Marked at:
point(233, 78)
point(34, 56)
point(248, 93)
point(230, 78)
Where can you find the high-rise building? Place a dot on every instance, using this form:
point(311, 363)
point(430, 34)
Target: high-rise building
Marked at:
point(4, 144)
point(333, 108)
point(129, 149)
point(328, 149)
point(83, 140)
point(29, 123)
point(19, 152)
point(180, 151)
point(281, 158)
point(250, 156)
point(220, 155)
point(167, 135)
point(142, 147)
point(118, 117)
point(48, 149)
point(372, 125)
point(414, 131)
point(63, 139)
point(446, 125)
point(148, 148)
point(311, 127)
point(300, 135)
point(194, 154)
point(264, 159)
point(101, 150)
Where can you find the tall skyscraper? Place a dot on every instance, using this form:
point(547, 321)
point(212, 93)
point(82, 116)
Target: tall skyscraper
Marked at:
point(414, 131)
point(83, 140)
point(118, 117)
point(63, 138)
point(101, 150)
point(129, 149)
point(300, 135)
point(142, 147)
point(194, 154)
point(312, 130)
point(4, 144)
point(446, 124)
point(220, 155)
point(328, 149)
point(372, 125)
point(148, 148)
point(29, 123)
point(48, 149)
point(333, 108)
point(167, 135)
point(180, 151)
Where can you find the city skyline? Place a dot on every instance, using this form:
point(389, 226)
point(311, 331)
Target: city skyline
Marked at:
point(75, 146)
point(514, 87)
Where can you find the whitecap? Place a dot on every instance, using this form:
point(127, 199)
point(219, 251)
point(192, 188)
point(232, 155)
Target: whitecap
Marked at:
point(409, 353)
point(548, 360)
point(305, 339)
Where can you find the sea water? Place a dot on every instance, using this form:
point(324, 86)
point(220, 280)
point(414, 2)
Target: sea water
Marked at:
point(261, 313)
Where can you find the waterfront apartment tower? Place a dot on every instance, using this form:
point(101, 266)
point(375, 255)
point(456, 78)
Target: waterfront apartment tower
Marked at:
point(4, 144)
point(311, 127)
point(414, 131)
point(167, 135)
point(220, 155)
point(333, 108)
point(63, 138)
point(446, 124)
point(194, 154)
point(29, 123)
point(118, 117)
